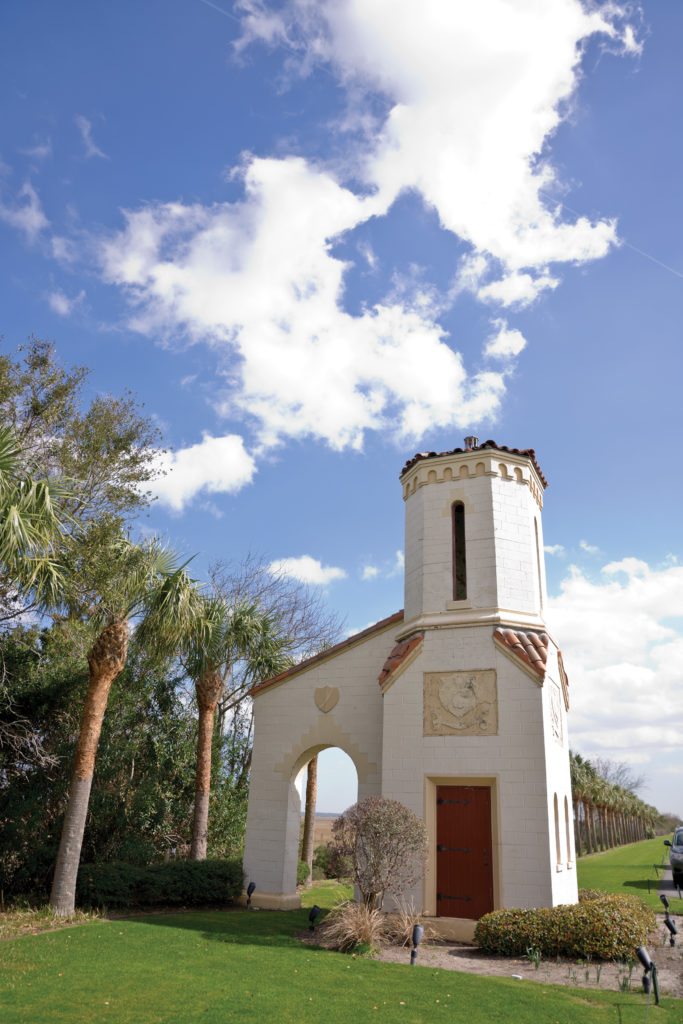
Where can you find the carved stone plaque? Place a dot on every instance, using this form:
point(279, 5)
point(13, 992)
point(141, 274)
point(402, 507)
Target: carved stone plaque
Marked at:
point(556, 712)
point(326, 698)
point(461, 703)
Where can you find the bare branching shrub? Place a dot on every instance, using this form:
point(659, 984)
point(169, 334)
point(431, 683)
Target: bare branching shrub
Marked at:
point(400, 924)
point(349, 925)
point(386, 844)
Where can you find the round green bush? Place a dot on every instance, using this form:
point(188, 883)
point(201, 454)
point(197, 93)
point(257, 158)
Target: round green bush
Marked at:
point(603, 927)
point(302, 872)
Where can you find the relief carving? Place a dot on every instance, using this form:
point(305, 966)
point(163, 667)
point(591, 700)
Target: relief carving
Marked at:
point(461, 703)
point(326, 698)
point(556, 712)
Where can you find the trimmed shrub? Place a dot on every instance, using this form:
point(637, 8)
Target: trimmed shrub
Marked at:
point(179, 883)
point(386, 844)
point(604, 927)
point(302, 872)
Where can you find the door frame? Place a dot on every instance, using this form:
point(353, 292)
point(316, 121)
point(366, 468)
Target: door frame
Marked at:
point(429, 884)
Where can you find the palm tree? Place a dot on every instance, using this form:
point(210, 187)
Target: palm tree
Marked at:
point(309, 817)
point(134, 579)
point(30, 525)
point(219, 636)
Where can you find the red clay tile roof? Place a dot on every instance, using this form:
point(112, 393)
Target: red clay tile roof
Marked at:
point(399, 653)
point(529, 647)
point(529, 453)
point(382, 624)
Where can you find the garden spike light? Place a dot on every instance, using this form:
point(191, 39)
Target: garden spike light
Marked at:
point(649, 970)
point(315, 910)
point(418, 932)
point(250, 889)
point(673, 930)
point(664, 900)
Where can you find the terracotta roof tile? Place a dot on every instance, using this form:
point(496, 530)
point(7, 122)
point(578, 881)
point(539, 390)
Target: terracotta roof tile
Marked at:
point(528, 646)
point(399, 654)
point(375, 628)
point(529, 453)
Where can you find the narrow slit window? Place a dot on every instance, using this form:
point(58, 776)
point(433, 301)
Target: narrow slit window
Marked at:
point(459, 557)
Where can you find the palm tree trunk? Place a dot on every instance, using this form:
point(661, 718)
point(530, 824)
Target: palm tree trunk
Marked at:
point(309, 817)
point(106, 659)
point(577, 830)
point(208, 689)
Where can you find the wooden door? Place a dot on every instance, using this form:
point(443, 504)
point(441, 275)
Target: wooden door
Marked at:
point(464, 863)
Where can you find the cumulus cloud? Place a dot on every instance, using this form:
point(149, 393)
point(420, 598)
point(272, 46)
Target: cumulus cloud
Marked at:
point(306, 569)
point(475, 92)
point(470, 97)
point(26, 214)
point(91, 148)
point(215, 465)
point(305, 366)
point(505, 342)
point(554, 549)
point(590, 549)
point(623, 656)
point(62, 304)
point(386, 571)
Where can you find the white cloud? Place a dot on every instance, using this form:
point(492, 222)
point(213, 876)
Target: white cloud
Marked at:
point(476, 92)
point(591, 549)
point(26, 214)
point(216, 465)
point(304, 366)
point(85, 128)
point(62, 304)
point(554, 549)
point(370, 572)
point(623, 657)
point(505, 343)
point(517, 289)
point(306, 569)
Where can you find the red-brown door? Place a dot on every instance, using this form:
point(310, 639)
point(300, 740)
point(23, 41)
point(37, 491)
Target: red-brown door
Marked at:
point(464, 866)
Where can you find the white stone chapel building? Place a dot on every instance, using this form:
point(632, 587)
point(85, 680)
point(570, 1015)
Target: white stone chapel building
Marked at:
point(456, 706)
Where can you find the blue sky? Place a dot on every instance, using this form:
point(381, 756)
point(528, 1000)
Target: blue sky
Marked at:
point(317, 237)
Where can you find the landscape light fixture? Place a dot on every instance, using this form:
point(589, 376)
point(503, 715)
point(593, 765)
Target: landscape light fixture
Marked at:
point(673, 930)
point(315, 910)
point(664, 900)
point(649, 976)
point(250, 889)
point(418, 932)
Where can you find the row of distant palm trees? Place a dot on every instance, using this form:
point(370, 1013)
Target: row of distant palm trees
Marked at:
point(123, 585)
point(605, 814)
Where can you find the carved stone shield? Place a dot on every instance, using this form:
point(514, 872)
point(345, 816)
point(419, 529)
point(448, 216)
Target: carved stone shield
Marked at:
point(326, 697)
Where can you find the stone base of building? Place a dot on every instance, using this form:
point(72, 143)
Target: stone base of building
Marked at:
point(453, 929)
point(272, 900)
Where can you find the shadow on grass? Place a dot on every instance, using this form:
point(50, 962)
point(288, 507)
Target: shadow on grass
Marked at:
point(242, 927)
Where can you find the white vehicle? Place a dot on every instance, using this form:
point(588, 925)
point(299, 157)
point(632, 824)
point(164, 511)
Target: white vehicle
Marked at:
point(676, 855)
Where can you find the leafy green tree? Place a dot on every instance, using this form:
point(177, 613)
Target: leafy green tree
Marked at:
point(106, 449)
point(144, 774)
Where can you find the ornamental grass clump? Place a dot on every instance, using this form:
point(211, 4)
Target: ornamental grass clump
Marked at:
point(350, 926)
point(604, 927)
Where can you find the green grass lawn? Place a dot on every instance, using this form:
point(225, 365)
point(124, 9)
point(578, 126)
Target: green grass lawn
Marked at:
point(626, 870)
point(218, 966)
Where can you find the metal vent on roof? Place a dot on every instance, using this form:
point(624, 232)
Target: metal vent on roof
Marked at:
point(471, 442)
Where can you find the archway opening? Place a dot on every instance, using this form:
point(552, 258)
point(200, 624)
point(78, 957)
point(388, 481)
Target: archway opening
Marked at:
point(327, 783)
